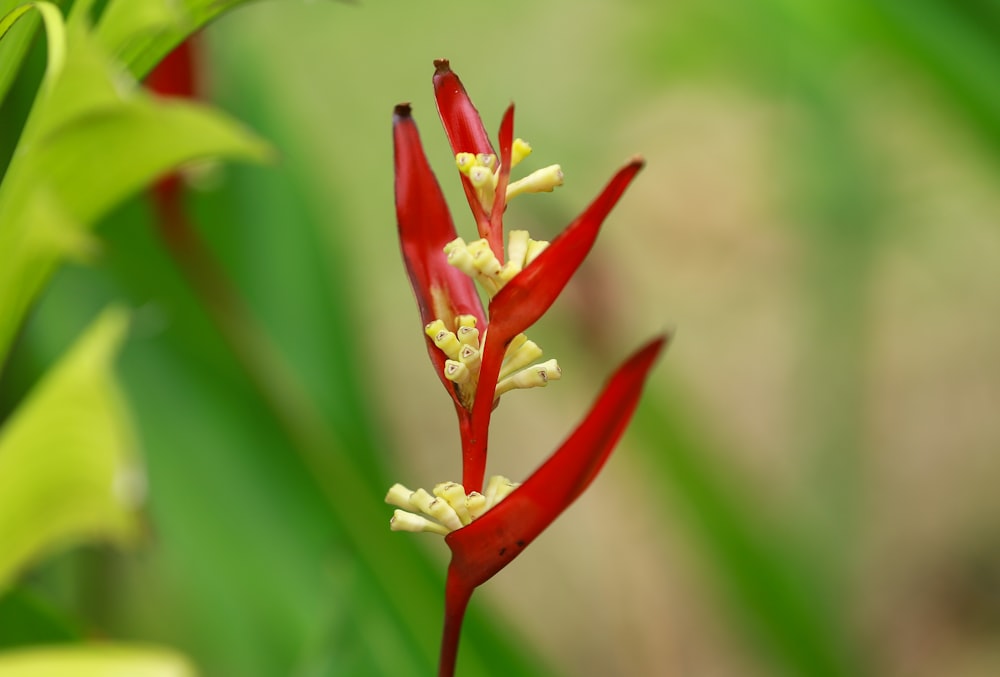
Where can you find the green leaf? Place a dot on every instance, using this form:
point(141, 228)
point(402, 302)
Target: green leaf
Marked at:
point(93, 138)
point(142, 38)
point(129, 30)
point(66, 467)
point(94, 661)
point(15, 37)
point(27, 619)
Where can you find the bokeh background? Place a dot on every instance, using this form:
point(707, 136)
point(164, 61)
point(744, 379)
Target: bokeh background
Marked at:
point(810, 485)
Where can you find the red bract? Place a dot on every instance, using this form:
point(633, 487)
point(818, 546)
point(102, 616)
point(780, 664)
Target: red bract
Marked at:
point(482, 543)
point(481, 549)
point(465, 131)
point(425, 227)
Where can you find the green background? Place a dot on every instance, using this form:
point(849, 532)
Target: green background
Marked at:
point(809, 487)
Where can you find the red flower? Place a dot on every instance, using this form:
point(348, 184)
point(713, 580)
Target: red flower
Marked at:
point(175, 76)
point(480, 355)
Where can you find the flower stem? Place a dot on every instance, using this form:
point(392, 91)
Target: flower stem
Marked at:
point(456, 601)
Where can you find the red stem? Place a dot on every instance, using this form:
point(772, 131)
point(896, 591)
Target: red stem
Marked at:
point(473, 456)
point(456, 600)
point(474, 446)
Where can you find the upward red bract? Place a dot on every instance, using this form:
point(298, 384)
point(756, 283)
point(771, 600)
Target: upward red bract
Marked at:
point(425, 227)
point(466, 134)
point(480, 550)
point(487, 545)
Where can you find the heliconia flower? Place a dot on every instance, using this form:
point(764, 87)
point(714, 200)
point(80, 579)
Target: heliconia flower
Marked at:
point(474, 352)
point(480, 356)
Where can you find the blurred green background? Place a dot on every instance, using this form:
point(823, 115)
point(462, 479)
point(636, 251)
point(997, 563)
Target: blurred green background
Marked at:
point(809, 487)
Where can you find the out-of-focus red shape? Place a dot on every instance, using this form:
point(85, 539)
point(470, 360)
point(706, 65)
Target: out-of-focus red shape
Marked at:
point(465, 131)
point(176, 75)
point(484, 547)
point(425, 227)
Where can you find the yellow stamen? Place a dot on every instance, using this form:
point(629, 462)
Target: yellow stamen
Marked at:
point(407, 521)
point(454, 494)
point(543, 180)
point(468, 336)
point(514, 345)
point(458, 256)
point(476, 504)
point(487, 160)
point(399, 496)
point(535, 247)
point(465, 162)
point(484, 260)
point(443, 339)
point(497, 489)
point(537, 376)
point(470, 357)
point(527, 353)
point(445, 513)
point(517, 247)
point(448, 510)
point(421, 500)
point(518, 151)
point(456, 372)
point(481, 177)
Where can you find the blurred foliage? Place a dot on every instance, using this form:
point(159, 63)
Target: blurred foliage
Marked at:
point(808, 487)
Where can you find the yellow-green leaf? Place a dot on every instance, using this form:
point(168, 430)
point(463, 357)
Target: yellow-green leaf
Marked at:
point(93, 138)
point(128, 29)
point(16, 35)
point(141, 41)
point(107, 660)
point(67, 467)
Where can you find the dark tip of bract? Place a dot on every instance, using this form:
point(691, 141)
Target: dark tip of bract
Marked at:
point(402, 110)
point(441, 66)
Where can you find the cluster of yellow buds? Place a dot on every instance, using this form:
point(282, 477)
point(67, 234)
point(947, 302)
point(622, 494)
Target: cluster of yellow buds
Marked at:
point(483, 172)
point(477, 260)
point(447, 509)
point(463, 349)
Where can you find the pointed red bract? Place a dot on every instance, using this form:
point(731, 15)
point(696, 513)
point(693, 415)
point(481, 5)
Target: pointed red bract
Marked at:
point(425, 227)
point(486, 546)
point(459, 116)
point(464, 129)
point(532, 291)
point(490, 543)
point(494, 234)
